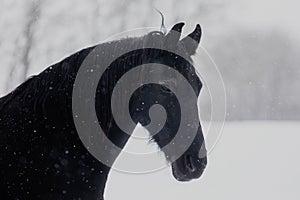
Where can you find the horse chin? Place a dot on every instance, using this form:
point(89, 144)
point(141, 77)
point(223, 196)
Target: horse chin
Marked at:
point(178, 175)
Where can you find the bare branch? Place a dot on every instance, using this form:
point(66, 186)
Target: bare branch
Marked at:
point(33, 16)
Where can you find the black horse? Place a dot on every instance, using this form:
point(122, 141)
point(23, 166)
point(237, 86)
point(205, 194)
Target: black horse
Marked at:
point(41, 154)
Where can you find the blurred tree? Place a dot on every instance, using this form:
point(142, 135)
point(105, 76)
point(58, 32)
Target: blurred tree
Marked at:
point(258, 71)
point(33, 17)
point(23, 46)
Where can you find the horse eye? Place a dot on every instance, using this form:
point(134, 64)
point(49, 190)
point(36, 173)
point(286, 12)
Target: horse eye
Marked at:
point(165, 89)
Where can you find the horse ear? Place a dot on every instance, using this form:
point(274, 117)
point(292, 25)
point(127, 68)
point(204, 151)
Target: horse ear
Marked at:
point(174, 34)
point(191, 42)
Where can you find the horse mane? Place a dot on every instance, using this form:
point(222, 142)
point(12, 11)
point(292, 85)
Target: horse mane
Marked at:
point(61, 76)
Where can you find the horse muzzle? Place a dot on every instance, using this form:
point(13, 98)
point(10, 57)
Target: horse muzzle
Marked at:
point(188, 167)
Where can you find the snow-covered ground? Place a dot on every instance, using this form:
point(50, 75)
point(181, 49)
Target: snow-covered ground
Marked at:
point(253, 160)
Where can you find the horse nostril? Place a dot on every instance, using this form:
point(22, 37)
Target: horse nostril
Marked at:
point(188, 159)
